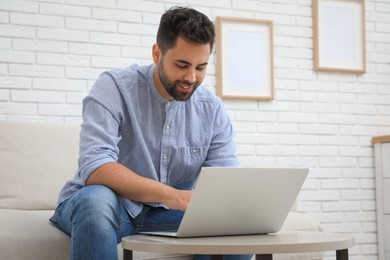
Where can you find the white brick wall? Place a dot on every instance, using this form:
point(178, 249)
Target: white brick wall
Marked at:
point(51, 51)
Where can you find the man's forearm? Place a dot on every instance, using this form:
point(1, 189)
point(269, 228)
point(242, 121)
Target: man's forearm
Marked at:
point(130, 185)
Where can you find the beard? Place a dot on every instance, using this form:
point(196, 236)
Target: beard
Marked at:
point(173, 87)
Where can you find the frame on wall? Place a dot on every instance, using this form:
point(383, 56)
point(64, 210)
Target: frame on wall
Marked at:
point(245, 58)
point(339, 35)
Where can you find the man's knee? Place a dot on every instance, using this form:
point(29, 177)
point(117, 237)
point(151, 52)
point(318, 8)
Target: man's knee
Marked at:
point(96, 201)
point(96, 194)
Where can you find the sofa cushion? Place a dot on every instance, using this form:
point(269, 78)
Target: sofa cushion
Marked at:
point(35, 160)
point(26, 234)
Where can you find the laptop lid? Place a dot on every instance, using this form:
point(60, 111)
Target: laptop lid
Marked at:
point(241, 201)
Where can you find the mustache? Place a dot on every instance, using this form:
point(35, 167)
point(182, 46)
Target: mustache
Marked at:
point(185, 82)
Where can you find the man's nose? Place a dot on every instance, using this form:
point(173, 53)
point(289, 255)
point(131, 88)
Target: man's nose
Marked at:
point(190, 75)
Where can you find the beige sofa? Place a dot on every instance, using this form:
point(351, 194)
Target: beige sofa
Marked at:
point(36, 160)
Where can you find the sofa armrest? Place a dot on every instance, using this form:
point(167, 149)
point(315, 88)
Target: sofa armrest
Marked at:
point(301, 222)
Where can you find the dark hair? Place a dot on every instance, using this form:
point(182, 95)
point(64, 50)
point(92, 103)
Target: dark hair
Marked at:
point(191, 25)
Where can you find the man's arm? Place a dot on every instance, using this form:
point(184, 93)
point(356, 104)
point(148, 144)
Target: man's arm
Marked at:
point(103, 114)
point(132, 186)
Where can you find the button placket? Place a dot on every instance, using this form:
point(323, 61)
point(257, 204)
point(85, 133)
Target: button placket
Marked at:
point(166, 142)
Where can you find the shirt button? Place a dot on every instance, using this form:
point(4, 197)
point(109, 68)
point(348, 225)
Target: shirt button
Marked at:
point(165, 157)
point(167, 127)
point(194, 150)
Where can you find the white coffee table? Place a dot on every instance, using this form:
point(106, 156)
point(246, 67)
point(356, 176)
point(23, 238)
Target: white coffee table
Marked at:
point(263, 246)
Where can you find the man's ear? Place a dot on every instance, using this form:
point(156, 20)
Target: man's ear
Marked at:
point(156, 53)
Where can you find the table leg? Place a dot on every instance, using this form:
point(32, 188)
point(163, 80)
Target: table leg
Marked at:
point(217, 257)
point(342, 254)
point(127, 254)
point(264, 257)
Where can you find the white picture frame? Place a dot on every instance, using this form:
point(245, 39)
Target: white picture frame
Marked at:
point(339, 36)
point(245, 58)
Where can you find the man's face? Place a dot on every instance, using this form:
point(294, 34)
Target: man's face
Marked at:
point(181, 69)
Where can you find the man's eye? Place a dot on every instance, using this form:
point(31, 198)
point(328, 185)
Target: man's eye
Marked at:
point(181, 66)
point(200, 68)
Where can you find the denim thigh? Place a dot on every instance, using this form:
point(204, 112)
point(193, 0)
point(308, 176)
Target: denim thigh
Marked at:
point(94, 203)
point(102, 201)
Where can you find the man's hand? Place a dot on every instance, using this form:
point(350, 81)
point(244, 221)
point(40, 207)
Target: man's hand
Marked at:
point(179, 199)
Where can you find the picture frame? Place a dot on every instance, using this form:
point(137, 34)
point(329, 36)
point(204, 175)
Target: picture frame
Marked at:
point(245, 68)
point(339, 36)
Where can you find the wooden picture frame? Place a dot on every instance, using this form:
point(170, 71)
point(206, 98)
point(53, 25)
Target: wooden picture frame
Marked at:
point(339, 35)
point(245, 67)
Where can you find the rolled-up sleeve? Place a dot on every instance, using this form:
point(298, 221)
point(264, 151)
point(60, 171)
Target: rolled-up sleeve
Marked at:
point(222, 151)
point(100, 134)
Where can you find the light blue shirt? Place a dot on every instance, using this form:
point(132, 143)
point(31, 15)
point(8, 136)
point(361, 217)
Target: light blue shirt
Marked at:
point(126, 120)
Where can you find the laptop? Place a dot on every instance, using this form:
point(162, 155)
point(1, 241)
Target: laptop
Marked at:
point(239, 201)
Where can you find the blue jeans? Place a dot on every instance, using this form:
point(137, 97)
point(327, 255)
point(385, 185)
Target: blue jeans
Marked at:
point(96, 220)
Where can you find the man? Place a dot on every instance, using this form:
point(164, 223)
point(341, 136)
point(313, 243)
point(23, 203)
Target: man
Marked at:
point(146, 133)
